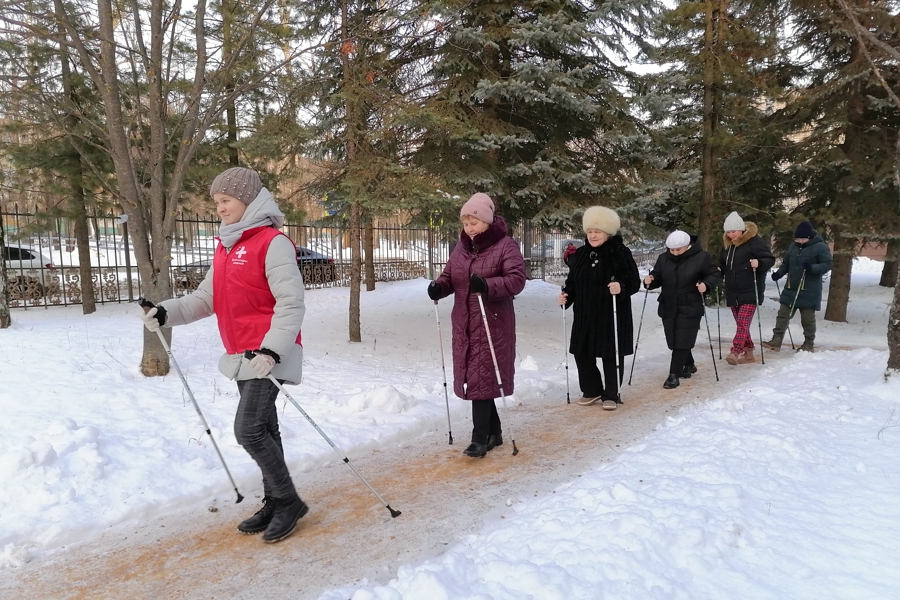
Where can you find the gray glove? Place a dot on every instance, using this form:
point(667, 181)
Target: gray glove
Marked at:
point(262, 364)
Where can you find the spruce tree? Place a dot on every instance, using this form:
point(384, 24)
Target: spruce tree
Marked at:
point(844, 129)
point(708, 106)
point(527, 103)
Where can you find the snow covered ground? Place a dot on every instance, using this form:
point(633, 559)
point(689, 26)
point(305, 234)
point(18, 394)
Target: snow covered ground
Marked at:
point(785, 487)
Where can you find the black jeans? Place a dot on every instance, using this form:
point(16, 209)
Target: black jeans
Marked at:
point(485, 420)
point(680, 360)
point(591, 382)
point(256, 429)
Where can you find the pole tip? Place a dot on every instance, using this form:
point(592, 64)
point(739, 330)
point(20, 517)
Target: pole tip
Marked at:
point(394, 513)
point(239, 498)
point(515, 450)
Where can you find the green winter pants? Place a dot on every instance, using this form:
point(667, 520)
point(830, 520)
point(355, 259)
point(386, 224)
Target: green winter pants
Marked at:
point(807, 321)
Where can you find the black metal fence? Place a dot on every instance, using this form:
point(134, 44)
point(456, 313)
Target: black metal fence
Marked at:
point(43, 262)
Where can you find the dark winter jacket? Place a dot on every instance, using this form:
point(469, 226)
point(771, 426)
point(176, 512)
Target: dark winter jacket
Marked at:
point(496, 257)
point(680, 304)
point(590, 272)
point(735, 266)
point(819, 256)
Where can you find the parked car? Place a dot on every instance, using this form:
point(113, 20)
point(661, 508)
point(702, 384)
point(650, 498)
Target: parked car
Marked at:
point(316, 268)
point(27, 269)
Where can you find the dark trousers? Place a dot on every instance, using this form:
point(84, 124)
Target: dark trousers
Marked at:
point(256, 429)
point(807, 321)
point(485, 420)
point(680, 360)
point(591, 382)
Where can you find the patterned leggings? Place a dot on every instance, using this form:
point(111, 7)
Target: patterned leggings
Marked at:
point(743, 317)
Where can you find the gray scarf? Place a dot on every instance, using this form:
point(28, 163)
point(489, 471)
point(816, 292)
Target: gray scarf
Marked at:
point(262, 212)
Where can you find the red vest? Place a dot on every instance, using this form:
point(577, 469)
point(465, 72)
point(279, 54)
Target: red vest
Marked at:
point(242, 300)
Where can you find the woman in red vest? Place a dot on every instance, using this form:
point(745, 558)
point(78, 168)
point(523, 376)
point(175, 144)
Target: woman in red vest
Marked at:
point(255, 289)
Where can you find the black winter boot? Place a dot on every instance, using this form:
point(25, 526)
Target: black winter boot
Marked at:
point(258, 522)
point(476, 450)
point(688, 371)
point(287, 512)
point(494, 440)
point(671, 382)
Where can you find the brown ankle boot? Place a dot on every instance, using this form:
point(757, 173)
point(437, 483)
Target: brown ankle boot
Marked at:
point(746, 357)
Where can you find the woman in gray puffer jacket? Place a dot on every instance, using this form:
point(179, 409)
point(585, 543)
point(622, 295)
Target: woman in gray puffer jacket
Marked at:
point(255, 289)
point(488, 262)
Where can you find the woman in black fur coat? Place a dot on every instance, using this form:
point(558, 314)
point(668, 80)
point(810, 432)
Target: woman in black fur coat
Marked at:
point(601, 272)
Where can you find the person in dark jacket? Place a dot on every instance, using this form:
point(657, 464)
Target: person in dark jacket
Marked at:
point(601, 272)
point(485, 262)
point(685, 272)
point(807, 259)
point(745, 260)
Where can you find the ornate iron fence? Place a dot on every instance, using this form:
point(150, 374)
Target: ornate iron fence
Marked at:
point(398, 253)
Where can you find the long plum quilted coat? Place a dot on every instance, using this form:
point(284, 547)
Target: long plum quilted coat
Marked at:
point(494, 256)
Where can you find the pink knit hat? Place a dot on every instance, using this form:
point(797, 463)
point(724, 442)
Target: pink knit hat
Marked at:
point(479, 206)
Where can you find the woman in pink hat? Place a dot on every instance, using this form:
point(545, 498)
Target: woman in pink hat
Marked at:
point(488, 262)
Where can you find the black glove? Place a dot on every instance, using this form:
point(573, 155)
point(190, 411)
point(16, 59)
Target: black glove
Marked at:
point(477, 285)
point(434, 291)
point(807, 265)
point(776, 276)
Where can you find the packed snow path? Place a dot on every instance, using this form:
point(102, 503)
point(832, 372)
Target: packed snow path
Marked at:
point(123, 510)
point(348, 535)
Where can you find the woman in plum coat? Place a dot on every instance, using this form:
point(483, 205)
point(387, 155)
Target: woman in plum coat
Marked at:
point(488, 262)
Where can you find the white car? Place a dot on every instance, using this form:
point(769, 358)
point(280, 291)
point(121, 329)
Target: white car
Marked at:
point(27, 269)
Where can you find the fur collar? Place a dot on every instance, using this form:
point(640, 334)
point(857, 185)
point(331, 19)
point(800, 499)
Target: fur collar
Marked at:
point(751, 232)
point(495, 232)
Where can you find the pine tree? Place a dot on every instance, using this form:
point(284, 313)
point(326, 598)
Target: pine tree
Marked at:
point(709, 109)
point(528, 105)
point(845, 129)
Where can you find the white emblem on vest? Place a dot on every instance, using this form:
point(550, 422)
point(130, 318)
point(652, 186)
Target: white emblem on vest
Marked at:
point(241, 252)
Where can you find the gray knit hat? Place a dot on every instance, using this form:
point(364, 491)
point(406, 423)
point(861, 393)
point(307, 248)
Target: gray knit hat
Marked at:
point(237, 182)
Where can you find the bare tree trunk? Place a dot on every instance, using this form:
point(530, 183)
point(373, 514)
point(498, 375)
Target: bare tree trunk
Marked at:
point(231, 136)
point(355, 209)
point(76, 178)
point(79, 216)
point(893, 331)
point(370, 255)
point(891, 263)
point(5, 317)
point(715, 19)
point(839, 287)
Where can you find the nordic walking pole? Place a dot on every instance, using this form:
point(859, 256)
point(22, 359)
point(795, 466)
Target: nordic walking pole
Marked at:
point(762, 351)
point(616, 331)
point(565, 352)
point(719, 320)
point(791, 337)
point(497, 372)
point(444, 369)
point(637, 340)
point(794, 303)
point(249, 354)
point(147, 305)
point(708, 335)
